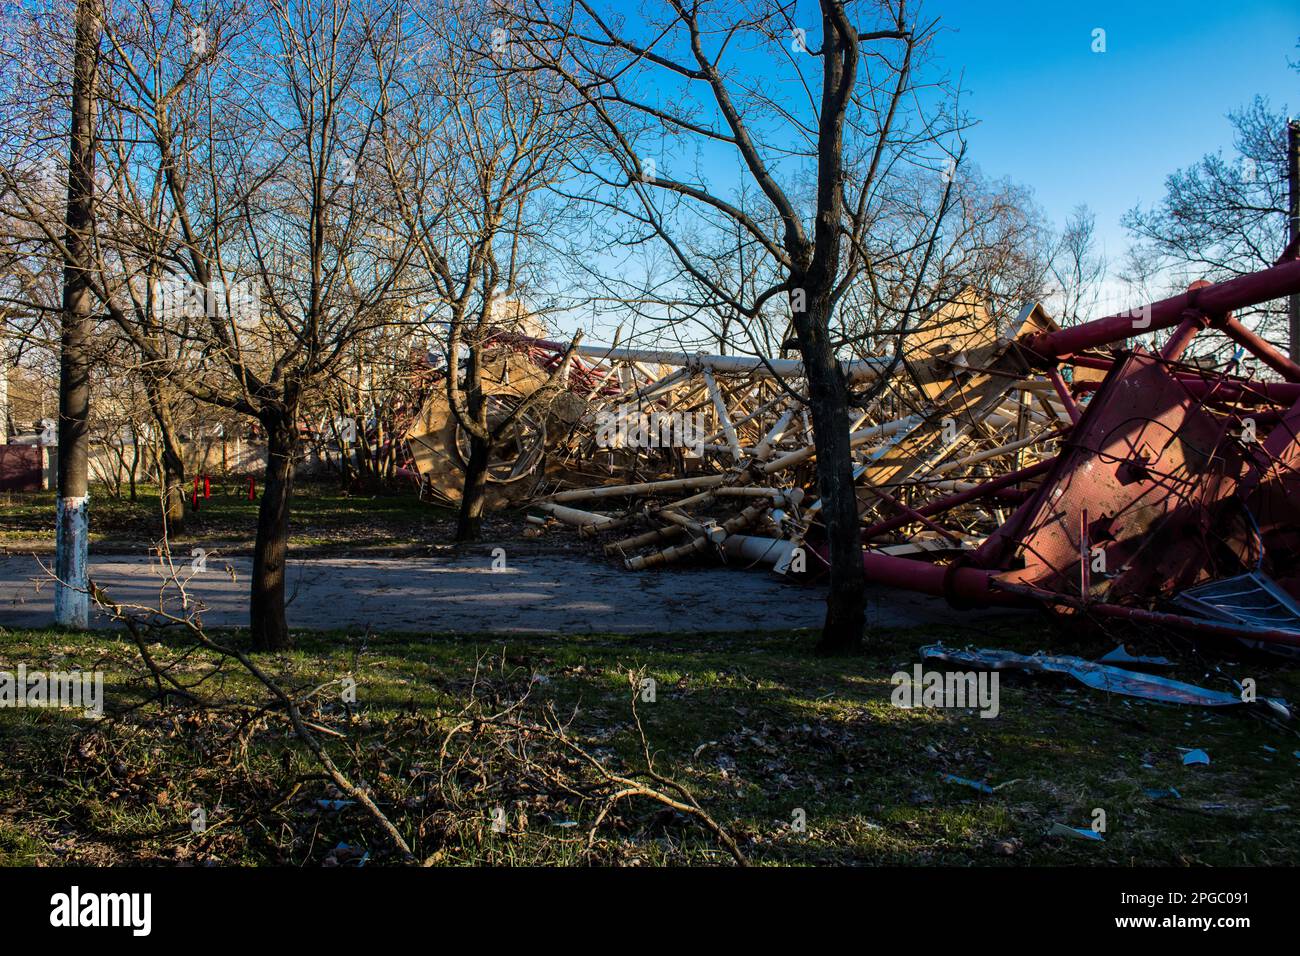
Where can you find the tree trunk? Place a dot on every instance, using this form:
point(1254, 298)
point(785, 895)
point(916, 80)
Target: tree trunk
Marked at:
point(366, 475)
point(135, 462)
point(828, 403)
point(71, 600)
point(470, 522)
point(347, 474)
point(172, 463)
point(266, 607)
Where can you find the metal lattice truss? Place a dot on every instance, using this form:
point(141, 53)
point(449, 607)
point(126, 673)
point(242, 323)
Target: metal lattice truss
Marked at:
point(683, 455)
point(1027, 465)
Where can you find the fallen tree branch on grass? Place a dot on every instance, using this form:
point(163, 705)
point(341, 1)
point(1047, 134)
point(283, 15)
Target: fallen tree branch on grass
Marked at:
point(610, 788)
point(133, 616)
point(502, 746)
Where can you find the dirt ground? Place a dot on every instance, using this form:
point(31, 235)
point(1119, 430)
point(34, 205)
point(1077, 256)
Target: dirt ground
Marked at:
point(536, 591)
point(384, 562)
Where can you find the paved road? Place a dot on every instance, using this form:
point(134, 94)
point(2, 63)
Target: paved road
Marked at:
point(462, 593)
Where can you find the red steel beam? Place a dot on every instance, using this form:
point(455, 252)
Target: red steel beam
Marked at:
point(953, 501)
point(1232, 296)
point(1192, 323)
point(1063, 393)
point(1283, 393)
point(913, 514)
point(953, 582)
point(1199, 385)
point(1261, 349)
point(1178, 622)
point(981, 587)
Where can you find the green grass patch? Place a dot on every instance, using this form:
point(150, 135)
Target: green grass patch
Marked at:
point(762, 733)
point(323, 519)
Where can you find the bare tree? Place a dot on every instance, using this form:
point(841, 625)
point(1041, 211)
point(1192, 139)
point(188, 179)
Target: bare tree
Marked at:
point(71, 598)
point(1077, 268)
point(474, 152)
point(370, 401)
point(248, 235)
point(818, 120)
point(1225, 216)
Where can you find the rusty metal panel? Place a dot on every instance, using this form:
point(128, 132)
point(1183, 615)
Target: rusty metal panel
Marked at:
point(20, 468)
point(1147, 479)
point(1274, 499)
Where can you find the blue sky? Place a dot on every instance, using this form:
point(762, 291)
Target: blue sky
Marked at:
point(1072, 125)
point(1106, 128)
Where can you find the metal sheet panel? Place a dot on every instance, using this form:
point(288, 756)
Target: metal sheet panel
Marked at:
point(1153, 473)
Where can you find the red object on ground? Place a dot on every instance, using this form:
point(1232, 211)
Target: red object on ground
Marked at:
point(1162, 473)
point(20, 467)
point(1154, 475)
point(252, 488)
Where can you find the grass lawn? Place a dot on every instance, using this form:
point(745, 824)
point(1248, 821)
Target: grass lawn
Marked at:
point(323, 520)
point(753, 725)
